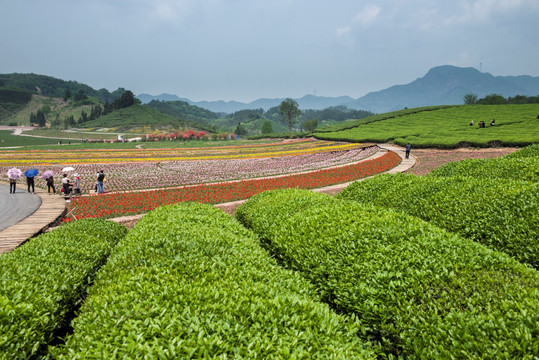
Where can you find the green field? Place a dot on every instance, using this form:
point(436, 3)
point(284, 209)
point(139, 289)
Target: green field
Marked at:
point(516, 125)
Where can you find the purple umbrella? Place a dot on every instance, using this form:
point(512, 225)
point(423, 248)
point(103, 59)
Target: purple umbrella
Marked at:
point(14, 173)
point(47, 174)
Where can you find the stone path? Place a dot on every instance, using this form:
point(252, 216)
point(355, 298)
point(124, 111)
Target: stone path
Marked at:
point(24, 215)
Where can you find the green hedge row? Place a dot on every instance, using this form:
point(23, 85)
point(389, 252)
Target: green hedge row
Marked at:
point(503, 168)
point(44, 279)
point(189, 281)
point(528, 151)
point(521, 165)
point(501, 214)
point(419, 291)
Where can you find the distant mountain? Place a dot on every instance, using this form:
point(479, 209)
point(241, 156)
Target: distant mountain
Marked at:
point(306, 102)
point(442, 85)
point(445, 85)
point(146, 98)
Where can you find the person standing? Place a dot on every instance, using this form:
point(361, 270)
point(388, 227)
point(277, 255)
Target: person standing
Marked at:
point(66, 186)
point(100, 179)
point(408, 148)
point(12, 185)
point(31, 184)
point(50, 185)
point(76, 184)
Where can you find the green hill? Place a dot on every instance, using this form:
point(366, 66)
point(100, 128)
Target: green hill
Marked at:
point(135, 116)
point(50, 86)
point(445, 127)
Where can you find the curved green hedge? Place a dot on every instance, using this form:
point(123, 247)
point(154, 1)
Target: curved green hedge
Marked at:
point(44, 279)
point(501, 214)
point(421, 292)
point(528, 151)
point(190, 282)
point(521, 165)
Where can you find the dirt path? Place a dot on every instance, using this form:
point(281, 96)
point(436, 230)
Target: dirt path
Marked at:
point(430, 159)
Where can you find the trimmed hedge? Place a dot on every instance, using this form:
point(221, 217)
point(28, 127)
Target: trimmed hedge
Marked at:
point(419, 291)
point(501, 214)
point(189, 281)
point(528, 151)
point(44, 279)
point(519, 167)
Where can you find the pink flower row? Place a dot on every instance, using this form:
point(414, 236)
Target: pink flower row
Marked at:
point(153, 175)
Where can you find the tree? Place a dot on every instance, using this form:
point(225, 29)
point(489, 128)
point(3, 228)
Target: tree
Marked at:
point(40, 118)
point(492, 99)
point(240, 130)
point(127, 99)
point(266, 127)
point(309, 125)
point(290, 111)
point(470, 99)
point(67, 94)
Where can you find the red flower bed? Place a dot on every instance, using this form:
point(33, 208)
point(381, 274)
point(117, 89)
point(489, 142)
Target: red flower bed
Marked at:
point(115, 205)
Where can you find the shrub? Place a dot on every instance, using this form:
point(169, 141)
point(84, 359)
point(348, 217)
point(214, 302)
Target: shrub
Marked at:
point(524, 166)
point(190, 282)
point(501, 214)
point(44, 279)
point(419, 291)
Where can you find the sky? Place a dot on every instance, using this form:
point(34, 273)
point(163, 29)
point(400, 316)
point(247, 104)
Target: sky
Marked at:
point(243, 50)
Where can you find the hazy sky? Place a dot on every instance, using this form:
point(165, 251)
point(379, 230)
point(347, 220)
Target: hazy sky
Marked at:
point(247, 49)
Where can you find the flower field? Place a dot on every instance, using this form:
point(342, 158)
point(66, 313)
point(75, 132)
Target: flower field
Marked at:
point(140, 169)
point(128, 203)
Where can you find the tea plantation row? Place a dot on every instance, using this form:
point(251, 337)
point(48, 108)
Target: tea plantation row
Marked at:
point(44, 280)
point(488, 205)
point(418, 291)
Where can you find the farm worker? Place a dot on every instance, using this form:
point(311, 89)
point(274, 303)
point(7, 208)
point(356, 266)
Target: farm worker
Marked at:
point(471, 123)
point(408, 148)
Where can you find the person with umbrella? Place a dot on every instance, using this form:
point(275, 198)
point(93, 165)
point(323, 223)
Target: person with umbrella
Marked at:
point(67, 187)
point(13, 174)
point(30, 174)
point(49, 178)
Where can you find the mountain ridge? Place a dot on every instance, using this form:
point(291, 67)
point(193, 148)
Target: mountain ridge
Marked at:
point(441, 85)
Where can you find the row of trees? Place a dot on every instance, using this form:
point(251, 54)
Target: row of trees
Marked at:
point(496, 99)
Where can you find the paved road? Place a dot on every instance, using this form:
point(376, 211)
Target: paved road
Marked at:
point(18, 206)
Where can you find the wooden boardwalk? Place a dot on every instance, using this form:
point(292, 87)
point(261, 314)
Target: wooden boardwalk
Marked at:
point(52, 208)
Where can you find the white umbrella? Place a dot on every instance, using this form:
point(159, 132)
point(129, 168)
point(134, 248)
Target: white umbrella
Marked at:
point(68, 168)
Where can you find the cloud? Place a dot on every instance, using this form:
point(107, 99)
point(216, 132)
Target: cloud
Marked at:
point(483, 10)
point(368, 15)
point(170, 10)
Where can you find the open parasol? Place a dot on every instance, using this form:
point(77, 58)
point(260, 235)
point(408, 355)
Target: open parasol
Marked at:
point(31, 173)
point(68, 168)
point(47, 174)
point(14, 173)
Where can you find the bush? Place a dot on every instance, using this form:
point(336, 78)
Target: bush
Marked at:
point(190, 282)
point(419, 291)
point(501, 214)
point(525, 168)
point(44, 279)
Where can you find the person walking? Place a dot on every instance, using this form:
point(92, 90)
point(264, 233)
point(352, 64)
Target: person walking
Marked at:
point(100, 179)
point(408, 148)
point(12, 185)
point(50, 185)
point(31, 184)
